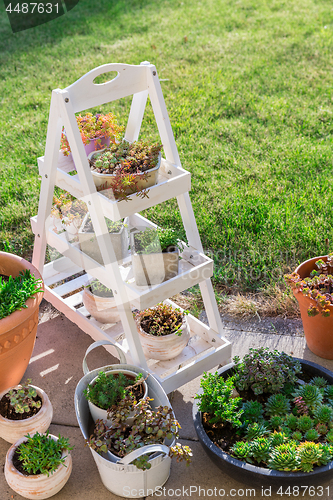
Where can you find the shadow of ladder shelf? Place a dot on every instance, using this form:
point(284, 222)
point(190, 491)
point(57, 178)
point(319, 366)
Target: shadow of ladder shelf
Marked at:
point(206, 348)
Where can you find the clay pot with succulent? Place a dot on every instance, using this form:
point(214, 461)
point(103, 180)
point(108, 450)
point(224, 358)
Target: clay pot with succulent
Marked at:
point(163, 331)
point(312, 285)
point(268, 418)
point(100, 302)
point(155, 255)
point(21, 288)
point(126, 168)
point(108, 389)
point(117, 234)
point(23, 409)
point(38, 466)
point(97, 131)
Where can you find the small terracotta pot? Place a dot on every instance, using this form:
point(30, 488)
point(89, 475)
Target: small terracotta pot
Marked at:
point(37, 486)
point(12, 430)
point(166, 346)
point(104, 309)
point(18, 330)
point(318, 330)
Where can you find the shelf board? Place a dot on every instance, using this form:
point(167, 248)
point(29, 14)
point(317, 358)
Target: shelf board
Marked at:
point(172, 181)
point(205, 349)
point(194, 267)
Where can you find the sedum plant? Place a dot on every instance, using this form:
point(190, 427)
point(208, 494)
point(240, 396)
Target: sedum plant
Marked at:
point(14, 292)
point(23, 399)
point(148, 427)
point(265, 371)
point(41, 454)
point(157, 240)
point(161, 320)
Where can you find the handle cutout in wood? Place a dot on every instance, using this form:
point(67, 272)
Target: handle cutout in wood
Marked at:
point(107, 77)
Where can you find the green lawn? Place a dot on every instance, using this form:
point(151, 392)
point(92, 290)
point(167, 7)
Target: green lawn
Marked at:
point(249, 89)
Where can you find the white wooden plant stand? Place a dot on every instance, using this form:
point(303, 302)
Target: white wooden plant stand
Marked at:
point(206, 348)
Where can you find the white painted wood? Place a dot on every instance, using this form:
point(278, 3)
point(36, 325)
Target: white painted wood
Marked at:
point(207, 347)
point(85, 94)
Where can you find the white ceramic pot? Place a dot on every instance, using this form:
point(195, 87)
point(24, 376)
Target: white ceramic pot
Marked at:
point(37, 486)
point(88, 242)
point(155, 268)
point(166, 346)
point(100, 413)
point(105, 181)
point(12, 430)
point(104, 309)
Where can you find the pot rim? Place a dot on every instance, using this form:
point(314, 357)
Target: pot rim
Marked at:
point(126, 372)
point(260, 471)
point(176, 251)
point(7, 261)
point(97, 174)
point(83, 223)
point(42, 394)
point(92, 295)
point(313, 259)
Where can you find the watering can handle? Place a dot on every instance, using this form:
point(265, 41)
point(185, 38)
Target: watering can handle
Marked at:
point(121, 354)
point(149, 448)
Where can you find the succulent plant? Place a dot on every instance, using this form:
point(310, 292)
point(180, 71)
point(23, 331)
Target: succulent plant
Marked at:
point(24, 398)
point(323, 414)
point(252, 411)
point(284, 458)
point(297, 436)
point(322, 429)
point(291, 421)
point(265, 371)
point(261, 449)
point(312, 454)
point(278, 438)
point(242, 451)
point(319, 382)
point(275, 422)
point(328, 391)
point(277, 404)
point(311, 435)
point(300, 406)
point(329, 436)
point(310, 394)
point(304, 423)
point(255, 430)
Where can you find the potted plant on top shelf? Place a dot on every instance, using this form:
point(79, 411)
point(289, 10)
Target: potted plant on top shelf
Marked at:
point(155, 255)
point(109, 388)
point(132, 449)
point(312, 285)
point(126, 168)
point(38, 466)
point(21, 288)
point(163, 331)
point(267, 419)
point(96, 132)
point(24, 408)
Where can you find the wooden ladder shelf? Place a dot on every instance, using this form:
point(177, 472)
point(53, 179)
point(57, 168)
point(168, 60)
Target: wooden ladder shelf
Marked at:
point(65, 276)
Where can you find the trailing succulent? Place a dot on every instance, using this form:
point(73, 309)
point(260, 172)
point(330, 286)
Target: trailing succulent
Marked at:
point(291, 430)
point(318, 286)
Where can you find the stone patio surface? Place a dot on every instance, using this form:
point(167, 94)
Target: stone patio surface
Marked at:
point(56, 367)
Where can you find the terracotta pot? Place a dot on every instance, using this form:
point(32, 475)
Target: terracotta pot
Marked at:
point(37, 486)
point(12, 430)
point(166, 346)
point(18, 330)
point(104, 309)
point(318, 330)
point(100, 413)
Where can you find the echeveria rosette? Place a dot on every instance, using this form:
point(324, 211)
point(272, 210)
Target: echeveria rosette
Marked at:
point(323, 414)
point(277, 404)
point(261, 449)
point(284, 458)
point(311, 395)
point(242, 451)
point(255, 430)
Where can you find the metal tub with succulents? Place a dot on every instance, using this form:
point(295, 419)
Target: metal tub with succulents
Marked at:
point(267, 419)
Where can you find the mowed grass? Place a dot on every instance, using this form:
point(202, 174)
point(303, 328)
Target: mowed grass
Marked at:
point(248, 86)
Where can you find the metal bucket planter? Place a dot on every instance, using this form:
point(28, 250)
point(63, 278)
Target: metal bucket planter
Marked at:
point(122, 478)
point(88, 242)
